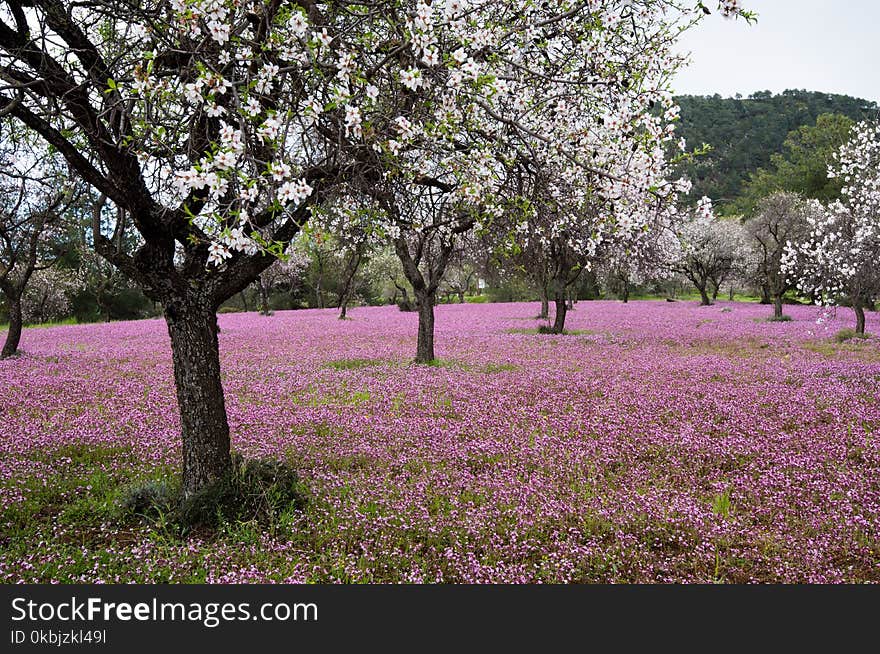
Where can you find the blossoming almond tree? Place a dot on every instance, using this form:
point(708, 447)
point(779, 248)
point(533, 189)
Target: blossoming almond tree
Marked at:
point(34, 195)
point(710, 249)
point(217, 125)
point(840, 257)
point(779, 219)
point(646, 256)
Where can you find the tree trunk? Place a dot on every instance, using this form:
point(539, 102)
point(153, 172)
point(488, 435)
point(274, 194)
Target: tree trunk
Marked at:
point(460, 297)
point(319, 291)
point(192, 326)
point(561, 309)
point(425, 345)
point(244, 302)
point(545, 304)
point(715, 289)
point(264, 297)
point(625, 295)
point(704, 297)
point(13, 336)
point(859, 308)
point(765, 294)
point(731, 292)
point(777, 306)
point(351, 269)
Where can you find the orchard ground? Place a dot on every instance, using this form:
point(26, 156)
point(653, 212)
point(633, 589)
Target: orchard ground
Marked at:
point(657, 442)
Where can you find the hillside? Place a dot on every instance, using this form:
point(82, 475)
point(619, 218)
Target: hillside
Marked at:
point(745, 132)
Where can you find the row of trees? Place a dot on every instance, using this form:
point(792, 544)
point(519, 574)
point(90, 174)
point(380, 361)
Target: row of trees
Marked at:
point(765, 253)
point(199, 139)
point(213, 132)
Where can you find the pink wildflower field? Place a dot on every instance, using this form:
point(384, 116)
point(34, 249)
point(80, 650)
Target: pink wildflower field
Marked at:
point(657, 442)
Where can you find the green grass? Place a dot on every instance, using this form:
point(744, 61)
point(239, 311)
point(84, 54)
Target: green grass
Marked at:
point(783, 318)
point(543, 330)
point(490, 368)
point(353, 364)
point(98, 502)
point(849, 334)
point(689, 296)
point(41, 325)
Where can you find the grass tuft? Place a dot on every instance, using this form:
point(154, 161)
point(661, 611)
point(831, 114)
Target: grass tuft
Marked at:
point(848, 334)
point(353, 364)
point(256, 491)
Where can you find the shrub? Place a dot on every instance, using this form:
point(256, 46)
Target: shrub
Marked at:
point(847, 334)
point(477, 299)
point(149, 500)
point(256, 491)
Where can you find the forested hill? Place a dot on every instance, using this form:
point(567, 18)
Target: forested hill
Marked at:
point(745, 132)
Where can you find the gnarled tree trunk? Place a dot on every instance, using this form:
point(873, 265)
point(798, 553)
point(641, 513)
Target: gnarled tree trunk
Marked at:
point(561, 309)
point(704, 296)
point(192, 326)
point(859, 308)
point(425, 343)
point(777, 306)
point(545, 303)
point(351, 269)
point(264, 296)
point(13, 336)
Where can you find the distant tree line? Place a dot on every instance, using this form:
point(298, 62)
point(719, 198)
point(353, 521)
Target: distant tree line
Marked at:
point(747, 134)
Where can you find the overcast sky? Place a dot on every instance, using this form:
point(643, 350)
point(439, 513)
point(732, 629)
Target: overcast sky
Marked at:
point(817, 45)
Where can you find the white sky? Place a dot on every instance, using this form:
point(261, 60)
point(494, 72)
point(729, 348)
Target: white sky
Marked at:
point(831, 46)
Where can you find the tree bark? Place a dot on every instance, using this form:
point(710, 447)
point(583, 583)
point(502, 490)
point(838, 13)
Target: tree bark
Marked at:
point(351, 269)
point(192, 326)
point(859, 308)
point(765, 294)
point(561, 309)
point(625, 295)
point(425, 344)
point(777, 306)
point(13, 336)
point(319, 291)
point(264, 297)
point(545, 304)
point(704, 297)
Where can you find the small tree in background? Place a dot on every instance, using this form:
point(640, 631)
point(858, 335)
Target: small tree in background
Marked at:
point(646, 257)
point(34, 196)
point(47, 297)
point(839, 259)
point(779, 219)
point(710, 250)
